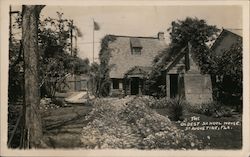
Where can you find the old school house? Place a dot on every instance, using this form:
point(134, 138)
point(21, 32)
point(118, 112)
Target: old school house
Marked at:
point(131, 60)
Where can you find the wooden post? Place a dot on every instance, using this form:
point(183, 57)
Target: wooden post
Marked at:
point(167, 85)
point(93, 41)
point(71, 37)
point(140, 87)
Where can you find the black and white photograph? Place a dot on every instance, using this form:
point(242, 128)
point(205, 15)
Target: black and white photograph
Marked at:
point(143, 77)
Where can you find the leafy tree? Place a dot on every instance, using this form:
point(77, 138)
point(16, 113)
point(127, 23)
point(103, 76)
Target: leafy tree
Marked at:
point(101, 79)
point(57, 57)
point(48, 44)
point(16, 80)
point(54, 71)
point(191, 31)
point(94, 73)
point(54, 34)
point(226, 71)
point(183, 32)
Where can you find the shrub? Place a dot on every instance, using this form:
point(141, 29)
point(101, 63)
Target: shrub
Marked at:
point(204, 108)
point(161, 103)
point(58, 102)
point(212, 108)
point(176, 107)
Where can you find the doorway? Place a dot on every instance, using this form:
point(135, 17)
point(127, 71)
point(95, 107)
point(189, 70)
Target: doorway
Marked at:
point(135, 86)
point(173, 85)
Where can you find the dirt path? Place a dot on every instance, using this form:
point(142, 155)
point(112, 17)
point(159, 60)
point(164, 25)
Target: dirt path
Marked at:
point(62, 127)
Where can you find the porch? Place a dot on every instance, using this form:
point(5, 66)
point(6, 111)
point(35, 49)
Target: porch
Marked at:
point(133, 82)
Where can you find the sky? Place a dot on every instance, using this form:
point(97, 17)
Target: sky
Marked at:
point(138, 20)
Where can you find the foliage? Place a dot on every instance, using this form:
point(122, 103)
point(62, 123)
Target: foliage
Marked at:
point(16, 75)
point(133, 125)
point(55, 33)
point(101, 76)
point(194, 31)
point(57, 58)
point(213, 108)
point(174, 107)
point(227, 72)
point(191, 31)
point(155, 85)
point(49, 104)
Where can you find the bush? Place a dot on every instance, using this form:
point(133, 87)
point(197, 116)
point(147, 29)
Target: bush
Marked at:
point(212, 108)
point(174, 107)
point(58, 102)
point(133, 125)
point(48, 103)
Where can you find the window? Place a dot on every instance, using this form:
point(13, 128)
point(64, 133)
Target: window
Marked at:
point(136, 46)
point(115, 83)
point(136, 51)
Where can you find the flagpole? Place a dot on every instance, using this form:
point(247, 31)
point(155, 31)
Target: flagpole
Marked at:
point(93, 39)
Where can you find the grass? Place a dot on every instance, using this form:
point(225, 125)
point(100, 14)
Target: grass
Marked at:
point(216, 139)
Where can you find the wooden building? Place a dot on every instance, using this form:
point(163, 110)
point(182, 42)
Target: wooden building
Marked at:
point(184, 79)
point(131, 61)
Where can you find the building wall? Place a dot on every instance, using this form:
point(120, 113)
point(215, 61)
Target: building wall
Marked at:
point(118, 91)
point(198, 88)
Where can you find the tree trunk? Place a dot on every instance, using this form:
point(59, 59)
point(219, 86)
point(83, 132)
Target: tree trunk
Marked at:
point(32, 121)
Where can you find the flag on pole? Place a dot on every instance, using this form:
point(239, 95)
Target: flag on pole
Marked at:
point(96, 26)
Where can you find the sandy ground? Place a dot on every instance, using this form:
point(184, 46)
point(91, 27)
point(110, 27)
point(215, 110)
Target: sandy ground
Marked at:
point(63, 126)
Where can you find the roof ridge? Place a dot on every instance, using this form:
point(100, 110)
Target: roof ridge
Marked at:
point(220, 36)
point(176, 58)
point(228, 30)
point(130, 36)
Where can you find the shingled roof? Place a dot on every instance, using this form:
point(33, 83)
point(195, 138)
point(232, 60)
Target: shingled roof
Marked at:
point(123, 60)
point(225, 40)
point(138, 70)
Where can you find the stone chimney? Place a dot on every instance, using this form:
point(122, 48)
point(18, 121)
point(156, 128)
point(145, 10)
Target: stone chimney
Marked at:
point(161, 36)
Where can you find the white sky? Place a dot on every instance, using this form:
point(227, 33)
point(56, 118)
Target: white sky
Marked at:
point(138, 21)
